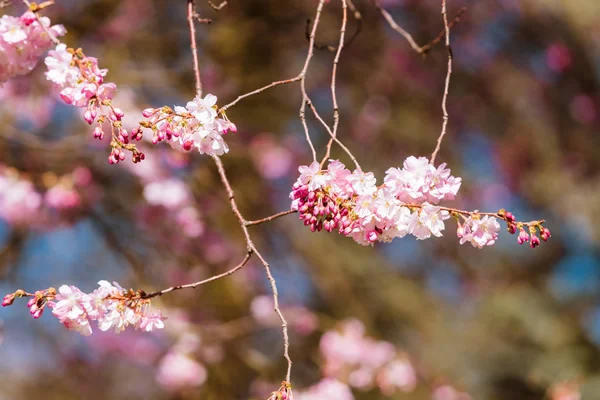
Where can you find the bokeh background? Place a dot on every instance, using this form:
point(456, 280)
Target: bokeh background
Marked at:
point(505, 322)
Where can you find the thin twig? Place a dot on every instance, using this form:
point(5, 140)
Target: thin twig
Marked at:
point(359, 21)
point(336, 111)
point(419, 49)
point(251, 246)
point(190, 17)
point(446, 85)
point(202, 282)
point(217, 7)
point(305, 98)
point(257, 91)
point(269, 218)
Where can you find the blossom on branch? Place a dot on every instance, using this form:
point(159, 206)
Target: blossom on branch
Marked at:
point(111, 306)
point(407, 203)
point(195, 126)
point(23, 41)
point(81, 84)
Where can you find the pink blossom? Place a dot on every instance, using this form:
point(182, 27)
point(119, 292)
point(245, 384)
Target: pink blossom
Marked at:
point(23, 41)
point(480, 231)
point(196, 126)
point(398, 374)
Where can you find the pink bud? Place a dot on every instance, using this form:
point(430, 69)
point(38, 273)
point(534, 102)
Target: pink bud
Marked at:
point(31, 302)
point(8, 300)
point(545, 234)
point(148, 112)
point(28, 18)
point(460, 231)
point(523, 236)
point(512, 228)
point(187, 146)
point(372, 236)
point(535, 241)
point(88, 117)
point(98, 133)
point(38, 313)
point(118, 113)
point(33, 309)
point(509, 216)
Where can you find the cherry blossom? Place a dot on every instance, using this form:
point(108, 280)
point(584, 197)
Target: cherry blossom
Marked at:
point(195, 126)
point(81, 84)
point(23, 41)
point(110, 305)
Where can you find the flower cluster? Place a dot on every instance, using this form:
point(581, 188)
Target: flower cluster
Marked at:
point(23, 41)
point(364, 362)
point(351, 203)
point(110, 305)
point(406, 203)
point(195, 126)
point(81, 84)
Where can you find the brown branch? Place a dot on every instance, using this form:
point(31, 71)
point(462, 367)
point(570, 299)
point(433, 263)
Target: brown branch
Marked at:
point(202, 282)
point(190, 17)
point(419, 49)
point(269, 218)
point(359, 22)
point(217, 7)
point(336, 111)
point(446, 85)
point(252, 247)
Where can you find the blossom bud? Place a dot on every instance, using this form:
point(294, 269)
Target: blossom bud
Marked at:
point(148, 112)
point(98, 133)
point(187, 146)
point(28, 18)
point(38, 313)
point(118, 113)
point(545, 234)
point(535, 241)
point(33, 309)
point(523, 236)
point(512, 228)
point(88, 117)
point(8, 300)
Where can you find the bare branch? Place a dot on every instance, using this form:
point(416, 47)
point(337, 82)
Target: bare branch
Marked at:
point(190, 17)
point(202, 282)
point(446, 85)
point(217, 7)
point(270, 218)
point(336, 111)
point(419, 49)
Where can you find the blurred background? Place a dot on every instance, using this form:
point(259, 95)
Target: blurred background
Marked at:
point(450, 322)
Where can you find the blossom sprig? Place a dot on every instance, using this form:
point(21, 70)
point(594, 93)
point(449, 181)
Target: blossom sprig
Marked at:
point(23, 41)
point(111, 306)
point(198, 126)
point(283, 393)
point(406, 203)
point(81, 84)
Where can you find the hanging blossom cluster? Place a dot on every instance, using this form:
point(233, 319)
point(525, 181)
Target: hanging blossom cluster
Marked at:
point(81, 84)
point(23, 41)
point(407, 203)
point(363, 363)
point(198, 126)
point(111, 306)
